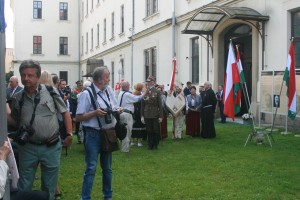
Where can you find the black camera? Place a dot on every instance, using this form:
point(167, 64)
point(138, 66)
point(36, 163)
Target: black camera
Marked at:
point(67, 90)
point(24, 132)
point(108, 117)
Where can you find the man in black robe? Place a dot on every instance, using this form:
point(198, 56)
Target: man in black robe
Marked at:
point(208, 108)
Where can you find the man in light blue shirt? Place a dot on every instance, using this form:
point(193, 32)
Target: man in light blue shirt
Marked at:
point(86, 114)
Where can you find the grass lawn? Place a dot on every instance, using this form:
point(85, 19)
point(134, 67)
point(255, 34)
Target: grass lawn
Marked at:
point(195, 168)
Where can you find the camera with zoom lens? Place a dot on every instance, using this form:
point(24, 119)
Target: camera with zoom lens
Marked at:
point(67, 90)
point(108, 116)
point(24, 134)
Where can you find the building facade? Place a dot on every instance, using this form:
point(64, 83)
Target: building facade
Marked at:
point(48, 31)
point(138, 38)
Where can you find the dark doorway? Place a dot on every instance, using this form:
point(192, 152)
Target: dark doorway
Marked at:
point(241, 35)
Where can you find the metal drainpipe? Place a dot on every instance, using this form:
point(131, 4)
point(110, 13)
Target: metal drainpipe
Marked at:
point(79, 39)
point(207, 58)
point(173, 31)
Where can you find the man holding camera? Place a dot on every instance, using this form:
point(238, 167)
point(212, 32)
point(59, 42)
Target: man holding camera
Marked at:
point(93, 120)
point(34, 112)
point(64, 91)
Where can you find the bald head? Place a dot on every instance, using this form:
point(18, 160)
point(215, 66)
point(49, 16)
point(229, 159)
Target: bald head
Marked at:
point(125, 85)
point(13, 82)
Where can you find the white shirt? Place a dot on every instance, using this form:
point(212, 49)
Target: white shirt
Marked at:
point(128, 100)
point(85, 106)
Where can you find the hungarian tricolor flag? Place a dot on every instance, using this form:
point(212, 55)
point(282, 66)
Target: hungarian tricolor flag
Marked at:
point(232, 77)
point(171, 84)
point(238, 86)
point(290, 81)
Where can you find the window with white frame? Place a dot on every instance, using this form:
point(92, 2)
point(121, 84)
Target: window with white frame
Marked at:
point(122, 19)
point(37, 10)
point(296, 34)
point(87, 7)
point(92, 39)
point(104, 30)
point(112, 73)
point(150, 61)
point(63, 45)
point(87, 42)
point(37, 44)
point(63, 11)
point(151, 7)
point(195, 59)
point(98, 34)
point(82, 47)
point(82, 10)
point(112, 25)
point(63, 75)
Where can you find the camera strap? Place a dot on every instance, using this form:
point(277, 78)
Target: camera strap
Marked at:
point(93, 100)
point(36, 101)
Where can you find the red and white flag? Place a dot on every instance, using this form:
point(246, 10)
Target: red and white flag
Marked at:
point(171, 84)
point(232, 77)
point(290, 81)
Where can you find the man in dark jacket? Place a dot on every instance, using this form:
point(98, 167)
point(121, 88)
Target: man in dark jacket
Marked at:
point(152, 112)
point(208, 108)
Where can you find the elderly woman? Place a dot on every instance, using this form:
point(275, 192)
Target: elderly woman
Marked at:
point(193, 104)
point(138, 128)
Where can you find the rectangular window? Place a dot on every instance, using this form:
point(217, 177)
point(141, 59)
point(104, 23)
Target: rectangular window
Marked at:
point(63, 46)
point(63, 11)
point(104, 30)
point(82, 10)
point(112, 25)
point(98, 30)
point(296, 35)
point(63, 75)
point(112, 73)
point(92, 39)
point(87, 7)
point(82, 47)
point(37, 44)
point(151, 7)
point(122, 19)
point(87, 42)
point(195, 60)
point(37, 10)
point(150, 62)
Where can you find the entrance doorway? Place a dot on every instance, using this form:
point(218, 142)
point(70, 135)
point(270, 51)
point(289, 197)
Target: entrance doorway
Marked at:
point(241, 35)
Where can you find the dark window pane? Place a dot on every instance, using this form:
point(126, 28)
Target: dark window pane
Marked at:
point(37, 9)
point(37, 44)
point(195, 60)
point(296, 18)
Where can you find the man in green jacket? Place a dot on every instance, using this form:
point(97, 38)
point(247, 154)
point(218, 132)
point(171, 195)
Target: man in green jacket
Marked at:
point(152, 112)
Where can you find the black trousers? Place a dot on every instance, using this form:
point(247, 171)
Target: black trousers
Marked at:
point(153, 132)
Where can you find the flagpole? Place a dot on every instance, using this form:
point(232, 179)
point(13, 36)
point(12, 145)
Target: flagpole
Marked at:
point(247, 99)
point(274, 116)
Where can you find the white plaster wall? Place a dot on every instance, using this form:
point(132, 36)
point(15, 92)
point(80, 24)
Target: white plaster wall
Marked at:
point(50, 28)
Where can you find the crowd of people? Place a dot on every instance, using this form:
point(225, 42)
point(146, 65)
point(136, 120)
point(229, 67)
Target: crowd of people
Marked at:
point(46, 113)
